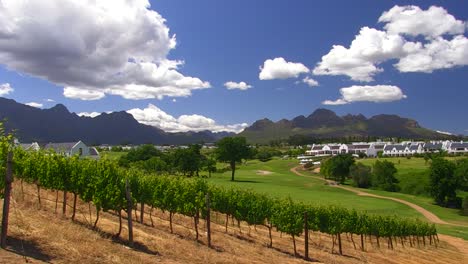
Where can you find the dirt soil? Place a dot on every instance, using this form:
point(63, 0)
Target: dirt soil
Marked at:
point(263, 172)
point(44, 235)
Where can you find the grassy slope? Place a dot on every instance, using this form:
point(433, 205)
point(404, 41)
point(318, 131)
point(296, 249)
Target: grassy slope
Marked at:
point(283, 183)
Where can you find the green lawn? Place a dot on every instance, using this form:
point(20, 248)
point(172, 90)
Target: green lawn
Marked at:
point(282, 183)
point(112, 155)
point(412, 174)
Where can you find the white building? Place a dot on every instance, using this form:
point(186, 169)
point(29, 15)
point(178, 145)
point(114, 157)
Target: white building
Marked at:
point(457, 147)
point(73, 148)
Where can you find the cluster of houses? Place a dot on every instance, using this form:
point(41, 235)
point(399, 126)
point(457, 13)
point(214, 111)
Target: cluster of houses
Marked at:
point(66, 148)
point(371, 149)
point(81, 149)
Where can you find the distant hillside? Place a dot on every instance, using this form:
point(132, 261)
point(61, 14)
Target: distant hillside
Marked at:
point(57, 124)
point(323, 123)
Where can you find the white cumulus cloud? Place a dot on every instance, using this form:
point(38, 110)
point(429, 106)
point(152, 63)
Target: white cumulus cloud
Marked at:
point(443, 46)
point(377, 94)
point(5, 88)
point(89, 114)
point(34, 104)
point(310, 82)
point(437, 54)
point(279, 68)
point(237, 85)
point(154, 116)
point(414, 21)
point(93, 48)
point(370, 47)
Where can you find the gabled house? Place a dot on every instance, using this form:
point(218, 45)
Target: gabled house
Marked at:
point(396, 150)
point(432, 147)
point(29, 146)
point(416, 149)
point(73, 148)
point(457, 147)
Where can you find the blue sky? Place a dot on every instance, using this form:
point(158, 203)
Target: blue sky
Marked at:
point(137, 65)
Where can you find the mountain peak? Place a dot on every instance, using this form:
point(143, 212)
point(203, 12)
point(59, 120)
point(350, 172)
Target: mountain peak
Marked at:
point(59, 108)
point(322, 112)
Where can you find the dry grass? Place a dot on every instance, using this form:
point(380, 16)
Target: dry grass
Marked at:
point(40, 235)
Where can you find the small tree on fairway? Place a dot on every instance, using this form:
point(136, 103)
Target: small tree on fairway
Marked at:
point(232, 150)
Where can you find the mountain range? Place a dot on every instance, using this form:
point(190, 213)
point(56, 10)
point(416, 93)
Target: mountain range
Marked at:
point(323, 123)
point(57, 124)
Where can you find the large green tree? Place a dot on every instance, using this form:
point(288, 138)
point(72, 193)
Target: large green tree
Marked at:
point(361, 175)
point(232, 150)
point(443, 182)
point(383, 174)
point(337, 167)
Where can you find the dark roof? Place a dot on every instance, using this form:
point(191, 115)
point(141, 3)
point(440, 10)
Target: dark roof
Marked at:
point(379, 146)
point(433, 146)
point(334, 147)
point(397, 147)
point(318, 147)
point(456, 145)
point(362, 146)
point(414, 147)
point(93, 151)
point(25, 146)
point(66, 146)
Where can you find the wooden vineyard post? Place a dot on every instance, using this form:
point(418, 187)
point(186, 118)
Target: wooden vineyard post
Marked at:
point(128, 195)
point(306, 237)
point(339, 243)
point(208, 225)
point(6, 201)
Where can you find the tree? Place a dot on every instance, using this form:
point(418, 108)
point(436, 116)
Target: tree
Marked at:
point(232, 150)
point(384, 176)
point(209, 164)
point(188, 160)
point(443, 183)
point(361, 175)
point(464, 209)
point(461, 173)
point(144, 152)
point(337, 167)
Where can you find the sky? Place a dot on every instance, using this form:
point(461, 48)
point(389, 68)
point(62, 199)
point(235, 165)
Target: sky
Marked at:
point(222, 65)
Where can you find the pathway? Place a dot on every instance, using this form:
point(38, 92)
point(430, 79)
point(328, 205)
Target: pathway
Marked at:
point(430, 216)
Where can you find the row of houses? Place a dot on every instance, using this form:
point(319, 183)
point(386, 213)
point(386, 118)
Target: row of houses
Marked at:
point(371, 149)
point(65, 148)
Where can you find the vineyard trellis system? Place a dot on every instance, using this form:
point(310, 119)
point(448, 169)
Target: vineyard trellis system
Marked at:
point(103, 183)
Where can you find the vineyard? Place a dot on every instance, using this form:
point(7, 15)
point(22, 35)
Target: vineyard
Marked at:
point(103, 184)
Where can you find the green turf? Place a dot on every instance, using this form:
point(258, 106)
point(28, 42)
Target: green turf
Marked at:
point(283, 183)
point(412, 174)
point(112, 155)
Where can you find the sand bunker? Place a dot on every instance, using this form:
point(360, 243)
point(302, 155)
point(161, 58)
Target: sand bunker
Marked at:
point(263, 172)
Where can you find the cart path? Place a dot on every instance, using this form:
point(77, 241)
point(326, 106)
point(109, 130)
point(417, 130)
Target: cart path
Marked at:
point(430, 216)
